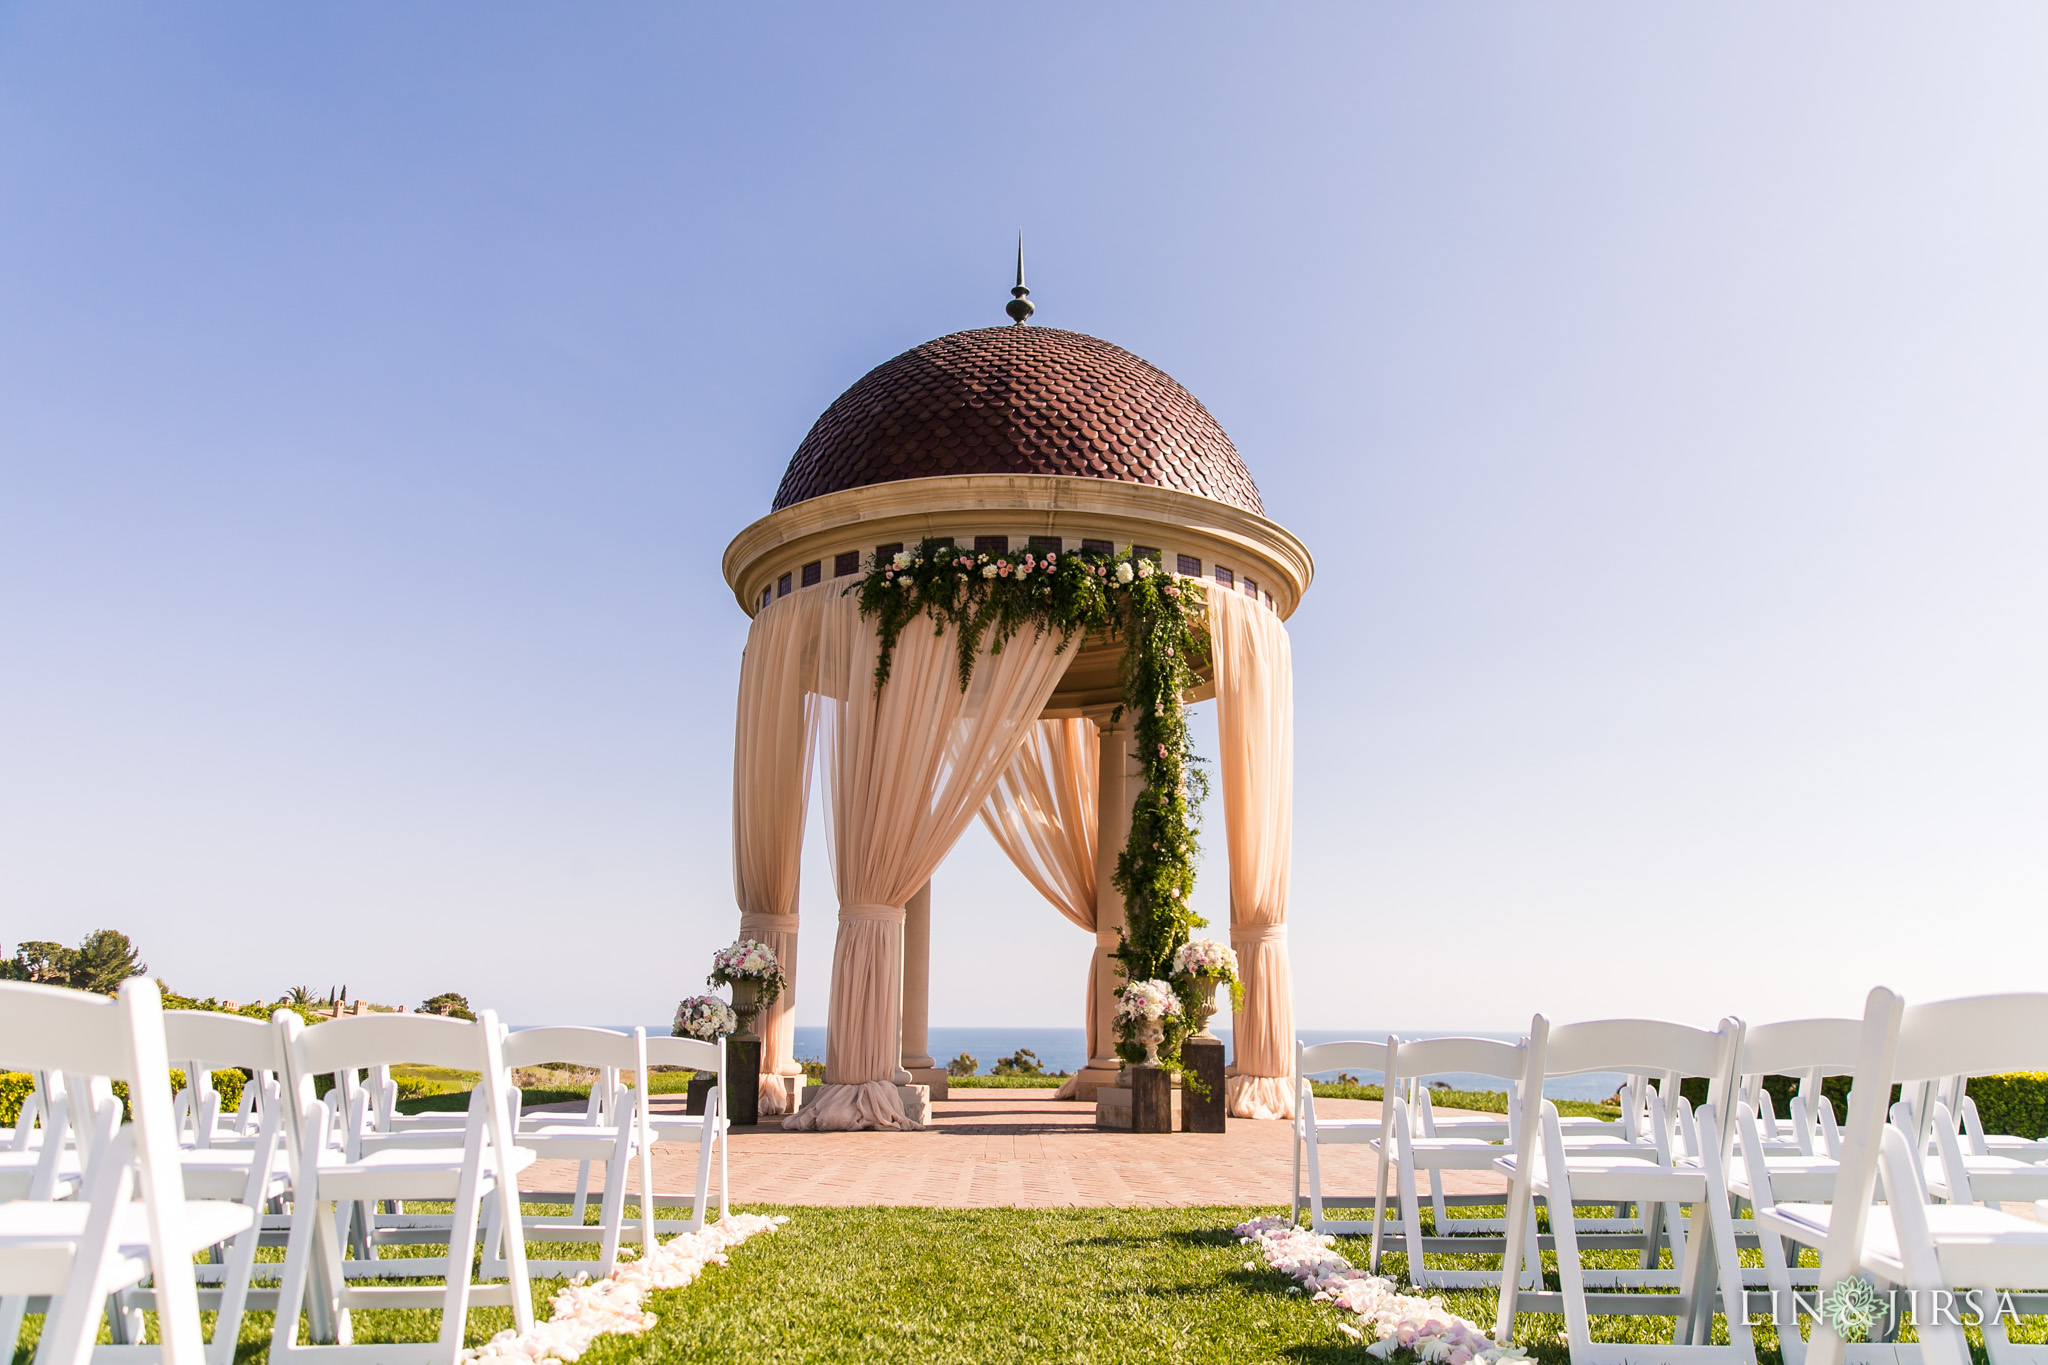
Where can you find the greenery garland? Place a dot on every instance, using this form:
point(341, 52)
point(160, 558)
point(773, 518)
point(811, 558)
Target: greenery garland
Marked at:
point(1162, 619)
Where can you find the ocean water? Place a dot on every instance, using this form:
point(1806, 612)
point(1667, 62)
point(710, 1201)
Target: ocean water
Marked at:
point(1065, 1049)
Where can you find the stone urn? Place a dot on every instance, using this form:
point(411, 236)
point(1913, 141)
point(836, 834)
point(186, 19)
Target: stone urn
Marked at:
point(746, 1003)
point(1205, 1005)
point(1150, 1033)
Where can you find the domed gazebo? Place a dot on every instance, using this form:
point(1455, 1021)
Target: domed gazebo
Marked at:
point(998, 443)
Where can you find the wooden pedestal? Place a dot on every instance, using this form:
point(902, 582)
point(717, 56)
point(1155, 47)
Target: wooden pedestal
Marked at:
point(743, 1079)
point(1151, 1100)
point(1201, 1099)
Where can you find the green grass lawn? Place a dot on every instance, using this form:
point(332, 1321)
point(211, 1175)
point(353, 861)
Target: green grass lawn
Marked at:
point(1101, 1286)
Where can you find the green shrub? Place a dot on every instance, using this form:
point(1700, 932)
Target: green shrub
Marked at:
point(2016, 1105)
point(15, 1087)
point(1008, 1081)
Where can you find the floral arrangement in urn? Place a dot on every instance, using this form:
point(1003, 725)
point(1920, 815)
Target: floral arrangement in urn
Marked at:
point(1205, 963)
point(749, 967)
point(1146, 1006)
point(706, 1017)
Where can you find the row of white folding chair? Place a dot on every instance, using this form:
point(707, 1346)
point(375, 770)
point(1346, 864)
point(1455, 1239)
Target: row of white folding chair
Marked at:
point(1910, 1242)
point(483, 1165)
point(1636, 1134)
point(74, 1254)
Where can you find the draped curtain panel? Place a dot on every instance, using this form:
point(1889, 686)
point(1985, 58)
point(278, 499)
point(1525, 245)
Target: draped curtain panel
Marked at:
point(771, 770)
point(1043, 814)
point(905, 771)
point(1255, 733)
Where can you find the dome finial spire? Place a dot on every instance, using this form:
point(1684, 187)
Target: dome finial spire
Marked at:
point(1020, 306)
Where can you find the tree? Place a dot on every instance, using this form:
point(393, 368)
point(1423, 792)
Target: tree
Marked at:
point(39, 960)
point(449, 1003)
point(100, 963)
point(300, 995)
point(1025, 1063)
point(105, 958)
point(963, 1065)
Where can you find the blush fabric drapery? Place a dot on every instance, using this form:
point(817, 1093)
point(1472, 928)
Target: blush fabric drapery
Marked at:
point(771, 770)
point(1255, 737)
point(1043, 814)
point(906, 769)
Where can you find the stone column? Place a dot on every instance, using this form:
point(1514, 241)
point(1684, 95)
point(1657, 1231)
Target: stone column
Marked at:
point(1120, 781)
point(917, 1063)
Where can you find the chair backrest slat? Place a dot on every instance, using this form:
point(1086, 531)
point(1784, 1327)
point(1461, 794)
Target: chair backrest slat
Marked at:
point(1977, 1036)
point(365, 1040)
point(1793, 1047)
point(1639, 1045)
point(55, 1028)
point(694, 1053)
point(1479, 1056)
point(222, 1040)
point(592, 1047)
point(1343, 1057)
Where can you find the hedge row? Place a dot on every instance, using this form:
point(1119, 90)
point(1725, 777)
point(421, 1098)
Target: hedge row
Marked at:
point(16, 1086)
point(2015, 1104)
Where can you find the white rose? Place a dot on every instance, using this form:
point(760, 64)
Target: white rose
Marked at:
point(902, 560)
point(1123, 571)
point(988, 571)
point(1145, 568)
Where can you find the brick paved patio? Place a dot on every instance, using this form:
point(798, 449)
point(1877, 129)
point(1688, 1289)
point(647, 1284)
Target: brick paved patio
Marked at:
point(1013, 1148)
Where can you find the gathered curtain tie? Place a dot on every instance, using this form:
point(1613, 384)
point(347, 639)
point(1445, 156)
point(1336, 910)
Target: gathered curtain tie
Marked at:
point(1108, 938)
point(886, 914)
point(1252, 935)
point(768, 921)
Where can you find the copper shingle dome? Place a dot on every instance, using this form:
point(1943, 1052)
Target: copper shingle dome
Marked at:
point(1018, 400)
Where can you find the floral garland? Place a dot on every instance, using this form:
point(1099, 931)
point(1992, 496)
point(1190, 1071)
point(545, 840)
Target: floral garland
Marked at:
point(586, 1309)
point(1163, 621)
point(1409, 1326)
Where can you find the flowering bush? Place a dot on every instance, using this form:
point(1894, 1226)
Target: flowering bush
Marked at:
point(1147, 1000)
point(1405, 1325)
point(706, 1017)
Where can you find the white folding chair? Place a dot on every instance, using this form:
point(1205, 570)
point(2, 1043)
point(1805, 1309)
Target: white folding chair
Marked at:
point(1798, 1160)
point(1412, 1144)
point(584, 1140)
point(1910, 1242)
point(1704, 1249)
point(80, 1252)
point(1312, 1131)
point(708, 1130)
point(253, 1170)
point(329, 1186)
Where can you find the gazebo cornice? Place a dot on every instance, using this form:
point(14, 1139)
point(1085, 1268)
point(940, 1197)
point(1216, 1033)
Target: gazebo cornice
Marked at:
point(966, 504)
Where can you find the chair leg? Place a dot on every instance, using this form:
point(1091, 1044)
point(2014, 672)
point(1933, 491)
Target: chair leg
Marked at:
point(291, 1291)
point(1520, 1217)
point(613, 1212)
point(462, 1234)
point(703, 1192)
point(1379, 1204)
point(1564, 1232)
point(724, 1184)
point(1411, 1223)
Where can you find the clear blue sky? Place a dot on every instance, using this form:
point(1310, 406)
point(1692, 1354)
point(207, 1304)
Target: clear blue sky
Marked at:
point(1661, 392)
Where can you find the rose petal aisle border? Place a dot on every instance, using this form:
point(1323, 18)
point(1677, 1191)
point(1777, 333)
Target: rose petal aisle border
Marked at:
point(588, 1309)
point(1407, 1325)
